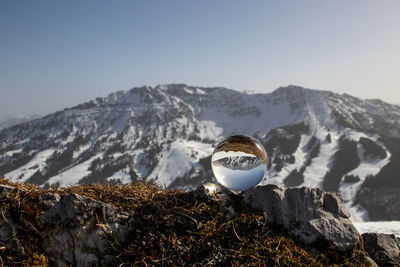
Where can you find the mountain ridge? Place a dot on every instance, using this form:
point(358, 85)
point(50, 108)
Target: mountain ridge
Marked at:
point(166, 134)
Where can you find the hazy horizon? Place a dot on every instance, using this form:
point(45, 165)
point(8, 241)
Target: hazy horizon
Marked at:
point(59, 54)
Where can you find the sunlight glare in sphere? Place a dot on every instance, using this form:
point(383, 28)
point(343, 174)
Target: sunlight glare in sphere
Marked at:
point(239, 162)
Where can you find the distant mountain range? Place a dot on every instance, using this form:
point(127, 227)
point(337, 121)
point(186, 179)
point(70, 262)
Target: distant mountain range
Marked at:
point(16, 119)
point(167, 134)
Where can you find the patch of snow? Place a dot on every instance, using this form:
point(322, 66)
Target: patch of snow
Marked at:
point(249, 123)
point(200, 92)
point(383, 227)
point(178, 160)
point(314, 174)
point(357, 212)
point(354, 135)
point(117, 155)
point(209, 129)
point(38, 163)
point(366, 168)
point(73, 175)
point(70, 137)
point(123, 176)
point(188, 91)
point(26, 140)
point(249, 92)
point(300, 155)
point(318, 111)
point(82, 149)
point(12, 152)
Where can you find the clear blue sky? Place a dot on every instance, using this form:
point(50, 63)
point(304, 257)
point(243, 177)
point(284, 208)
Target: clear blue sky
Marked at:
point(55, 54)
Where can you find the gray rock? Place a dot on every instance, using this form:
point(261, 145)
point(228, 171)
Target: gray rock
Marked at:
point(79, 230)
point(384, 249)
point(309, 214)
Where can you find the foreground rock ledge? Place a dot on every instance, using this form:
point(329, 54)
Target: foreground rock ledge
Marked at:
point(78, 229)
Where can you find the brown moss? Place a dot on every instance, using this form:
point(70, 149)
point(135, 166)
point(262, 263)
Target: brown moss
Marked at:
point(22, 208)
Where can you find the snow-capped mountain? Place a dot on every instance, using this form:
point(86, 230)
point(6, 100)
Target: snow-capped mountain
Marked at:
point(167, 134)
point(16, 119)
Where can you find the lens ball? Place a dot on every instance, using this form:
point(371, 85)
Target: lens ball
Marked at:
point(239, 162)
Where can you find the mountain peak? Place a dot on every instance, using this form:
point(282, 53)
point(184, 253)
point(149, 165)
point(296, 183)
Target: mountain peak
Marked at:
point(293, 89)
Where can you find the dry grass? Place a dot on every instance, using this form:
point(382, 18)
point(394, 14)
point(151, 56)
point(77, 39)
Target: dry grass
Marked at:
point(172, 227)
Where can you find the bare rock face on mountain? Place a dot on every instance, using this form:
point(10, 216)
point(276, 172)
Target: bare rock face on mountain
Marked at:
point(384, 249)
point(308, 214)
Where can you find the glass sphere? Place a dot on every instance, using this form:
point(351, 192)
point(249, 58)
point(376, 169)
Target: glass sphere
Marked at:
point(239, 162)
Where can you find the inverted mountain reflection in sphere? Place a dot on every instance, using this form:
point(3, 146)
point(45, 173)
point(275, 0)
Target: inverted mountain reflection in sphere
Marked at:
point(239, 162)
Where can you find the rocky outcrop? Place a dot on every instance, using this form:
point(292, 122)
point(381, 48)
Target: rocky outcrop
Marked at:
point(75, 230)
point(308, 214)
point(384, 249)
point(79, 230)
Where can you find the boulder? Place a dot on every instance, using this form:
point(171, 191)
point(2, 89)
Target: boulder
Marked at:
point(307, 214)
point(79, 230)
point(384, 249)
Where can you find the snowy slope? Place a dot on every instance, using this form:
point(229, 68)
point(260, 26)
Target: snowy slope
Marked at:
point(167, 134)
point(384, 227)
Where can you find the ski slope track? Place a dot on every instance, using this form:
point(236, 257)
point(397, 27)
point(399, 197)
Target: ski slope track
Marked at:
point(167, 134)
